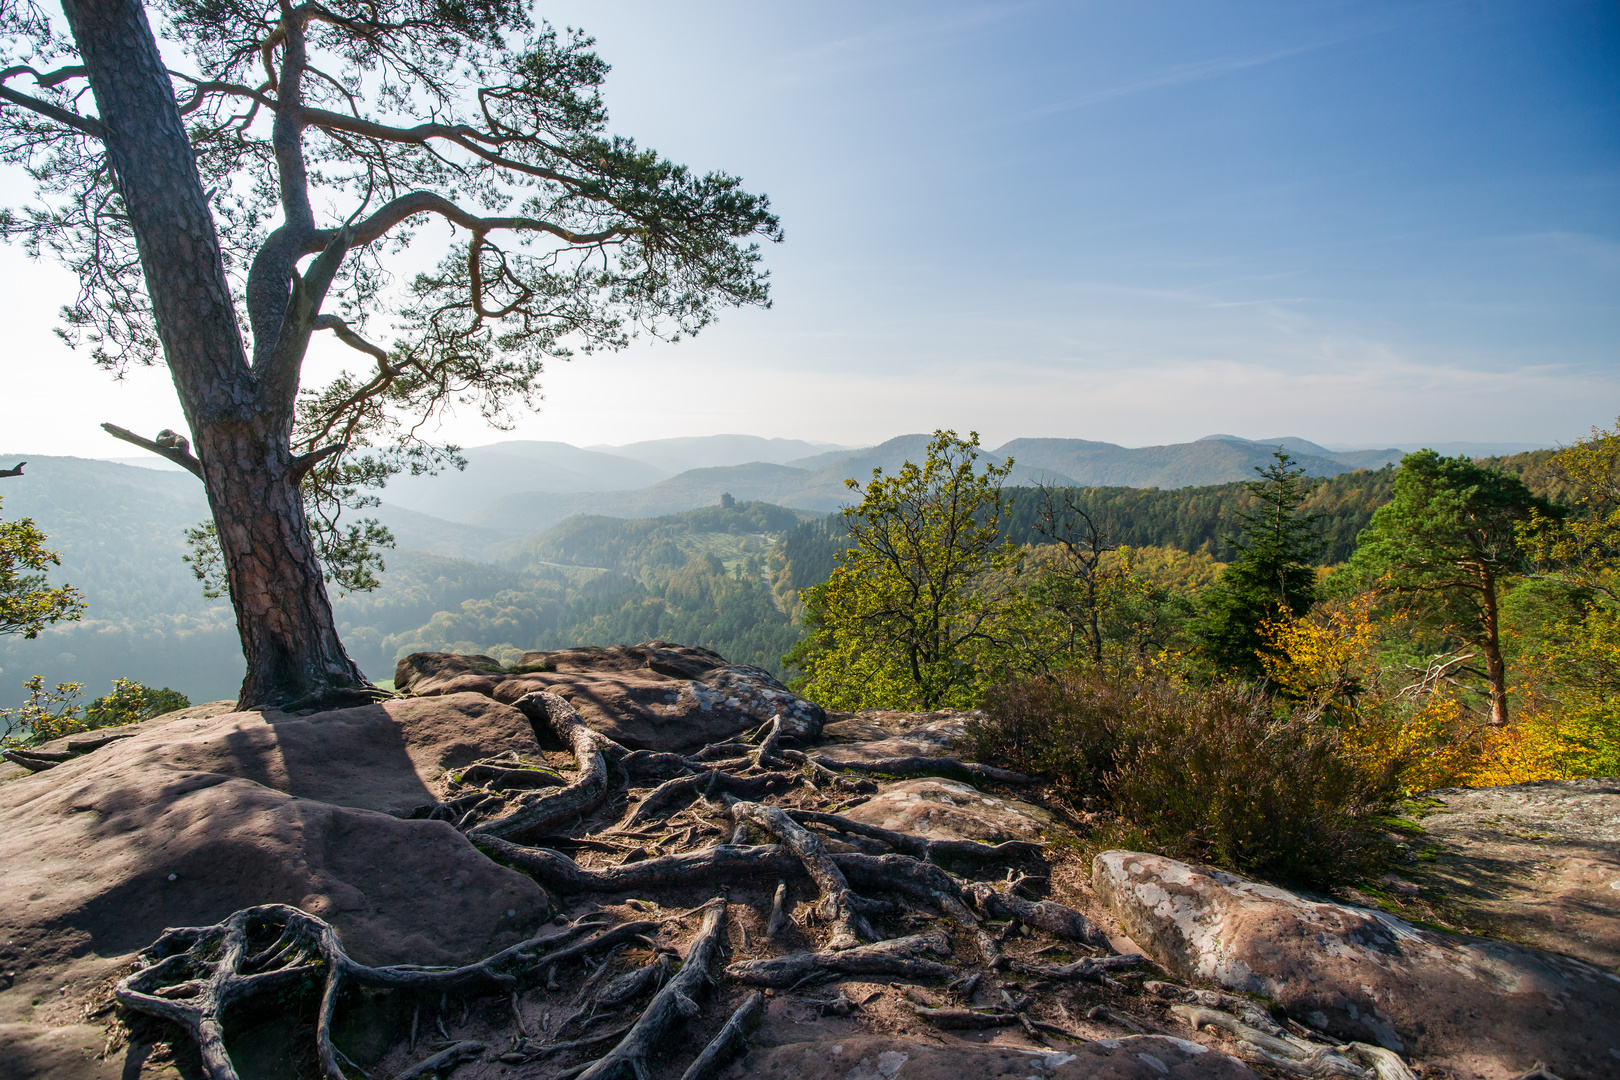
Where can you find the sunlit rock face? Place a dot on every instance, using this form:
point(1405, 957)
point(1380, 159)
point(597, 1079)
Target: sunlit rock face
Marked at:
point(1473, 1005)
point(653, 696)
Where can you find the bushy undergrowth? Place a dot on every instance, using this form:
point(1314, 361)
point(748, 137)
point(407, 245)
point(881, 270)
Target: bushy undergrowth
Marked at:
point(1215, 774)
point(51, 714)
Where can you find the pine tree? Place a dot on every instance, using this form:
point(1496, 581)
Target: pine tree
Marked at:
point(1272, 577)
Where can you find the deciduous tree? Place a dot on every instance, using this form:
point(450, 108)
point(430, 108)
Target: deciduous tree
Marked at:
point(266, 187)
point(908, 617)
point(27, 604)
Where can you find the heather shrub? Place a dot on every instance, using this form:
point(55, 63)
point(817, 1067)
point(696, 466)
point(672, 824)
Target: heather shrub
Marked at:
point(1215, 774)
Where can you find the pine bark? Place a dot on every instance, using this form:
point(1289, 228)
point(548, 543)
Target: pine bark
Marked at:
point(241, 429)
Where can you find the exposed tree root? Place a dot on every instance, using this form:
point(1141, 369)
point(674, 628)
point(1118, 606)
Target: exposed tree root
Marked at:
point(582, 795)
point(686, 788)
point(937, 851)
point(839, 905)
point(444, 1059)
point(965, 1019)
point(192, 976)
point(675, 1002)
point(897, 956)
point(1293, 1056)
point(927, 766)
point(632, 1010)
point(1086, 969)
point(1065, 922)
point(731, 1040)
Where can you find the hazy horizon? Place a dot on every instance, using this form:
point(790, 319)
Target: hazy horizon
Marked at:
point(1131, 223)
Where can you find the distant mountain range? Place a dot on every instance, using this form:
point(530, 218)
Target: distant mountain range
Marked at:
point(522, 487)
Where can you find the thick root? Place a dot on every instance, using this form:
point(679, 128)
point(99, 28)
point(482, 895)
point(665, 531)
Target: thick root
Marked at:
point(1086, 969)
point(935, 851)
point(838, 905)
point(584, 794)
point(190, 976)
point(897, 956)
point(731, 1040)
point(675, 1002)
point(1065, 922)
point(684, 789)
point(1290, 1055)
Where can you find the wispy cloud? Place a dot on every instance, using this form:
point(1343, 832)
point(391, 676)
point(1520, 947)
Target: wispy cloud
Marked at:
point(1180, 75)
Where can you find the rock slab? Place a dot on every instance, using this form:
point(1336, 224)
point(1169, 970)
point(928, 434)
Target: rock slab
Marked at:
point(949, 810)
point(1475, 1006)
point(873, 1057)
point(1539, 861)
point(189, 820)
point(653, 696)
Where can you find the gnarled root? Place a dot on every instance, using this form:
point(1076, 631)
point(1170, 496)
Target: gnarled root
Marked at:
point(965, 1019)
point(918, 847)
point(585, 793)
point(897, 956)
point(1285, 1053)
point(686, 788)
point(927, 766)
point(676, 1001)
point(731, 1039)
point(1065, 922)
point(723, 862)
point(191, 976)
point(838, 905)
point(1086, 969)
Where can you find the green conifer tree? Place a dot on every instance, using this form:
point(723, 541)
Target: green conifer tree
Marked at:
point(1272, 577)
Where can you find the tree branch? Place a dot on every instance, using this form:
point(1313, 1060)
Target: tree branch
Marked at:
point(84, 124)
point(169, 445)
point(305, 462)
point(426, 202)
point(353, 340)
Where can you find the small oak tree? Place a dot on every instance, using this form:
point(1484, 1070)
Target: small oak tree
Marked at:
point(27, 604)
point(908, 617)
point(265, 186)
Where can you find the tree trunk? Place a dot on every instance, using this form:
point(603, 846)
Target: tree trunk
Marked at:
point(241, 437)
point(283, 614)
point(1495, 668)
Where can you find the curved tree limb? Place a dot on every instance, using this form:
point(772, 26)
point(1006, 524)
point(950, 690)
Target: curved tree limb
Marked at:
point(175, 447)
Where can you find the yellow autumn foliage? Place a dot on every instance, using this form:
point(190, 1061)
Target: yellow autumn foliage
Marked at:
point(1327, 660)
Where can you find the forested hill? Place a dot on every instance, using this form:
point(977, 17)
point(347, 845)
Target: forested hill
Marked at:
point(1190, 519)
point(718, 576)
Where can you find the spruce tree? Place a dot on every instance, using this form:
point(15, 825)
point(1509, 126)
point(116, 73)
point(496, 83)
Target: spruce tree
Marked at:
point(1272, 577)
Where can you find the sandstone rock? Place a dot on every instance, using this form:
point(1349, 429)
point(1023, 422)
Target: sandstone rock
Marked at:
point(891, 733)
point(388, 757)
point(876, 1057)
point(1540, 861)
point(71, 1052)
point(1476, 1006)
point(195, 818)
point(948, 810)
point(654, 696)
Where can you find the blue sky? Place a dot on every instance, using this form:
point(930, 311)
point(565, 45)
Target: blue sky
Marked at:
point(1134, 221)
